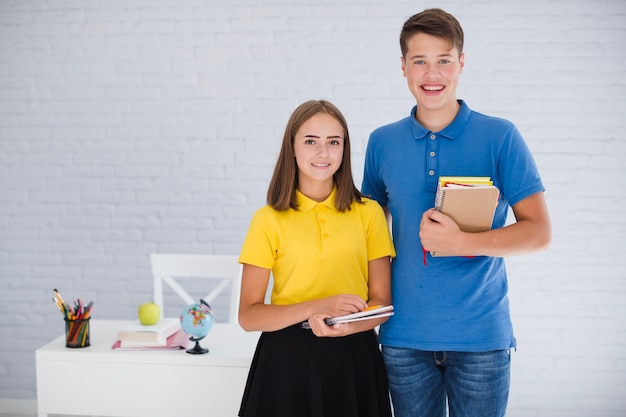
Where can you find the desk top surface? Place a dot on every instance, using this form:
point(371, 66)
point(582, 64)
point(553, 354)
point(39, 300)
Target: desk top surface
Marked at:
point(228, 345)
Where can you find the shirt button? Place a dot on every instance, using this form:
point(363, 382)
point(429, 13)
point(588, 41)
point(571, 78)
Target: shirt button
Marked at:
point(433, 137)
point(431, 172)
point(432, 154)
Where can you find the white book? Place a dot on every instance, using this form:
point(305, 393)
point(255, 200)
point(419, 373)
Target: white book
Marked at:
point(137, 334)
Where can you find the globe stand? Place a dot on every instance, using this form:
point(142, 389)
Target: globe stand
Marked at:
point(197, 349)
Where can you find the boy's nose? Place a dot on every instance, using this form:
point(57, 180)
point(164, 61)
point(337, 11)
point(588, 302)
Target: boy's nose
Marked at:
point(432, 71)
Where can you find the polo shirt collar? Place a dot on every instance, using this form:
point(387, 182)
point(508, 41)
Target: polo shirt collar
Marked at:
point(305, 203)
point(452, 131)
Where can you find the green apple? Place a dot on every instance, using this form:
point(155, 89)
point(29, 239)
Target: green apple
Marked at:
point(149, 313)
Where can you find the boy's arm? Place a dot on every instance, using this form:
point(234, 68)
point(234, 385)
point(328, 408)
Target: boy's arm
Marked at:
point(531, 232)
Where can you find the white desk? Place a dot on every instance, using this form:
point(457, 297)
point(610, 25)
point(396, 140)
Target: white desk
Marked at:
point(100, 381)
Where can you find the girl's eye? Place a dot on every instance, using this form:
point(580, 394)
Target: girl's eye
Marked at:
point(335, 142)
point(309, 142)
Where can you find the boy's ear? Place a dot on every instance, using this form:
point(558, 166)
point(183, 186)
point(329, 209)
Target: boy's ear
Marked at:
point(403, 66)
point(462, 62)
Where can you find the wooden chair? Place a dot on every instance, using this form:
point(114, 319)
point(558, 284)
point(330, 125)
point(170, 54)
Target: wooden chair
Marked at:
point(167, 268)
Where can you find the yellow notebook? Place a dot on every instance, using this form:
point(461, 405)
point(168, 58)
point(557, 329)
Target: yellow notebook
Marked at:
point(465, 181)
point(470, 201)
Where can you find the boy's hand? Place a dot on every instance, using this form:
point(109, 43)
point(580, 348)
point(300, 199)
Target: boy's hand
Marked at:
point(438, 232)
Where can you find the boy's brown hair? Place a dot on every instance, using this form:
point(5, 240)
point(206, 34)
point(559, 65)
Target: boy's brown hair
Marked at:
point(434, 22)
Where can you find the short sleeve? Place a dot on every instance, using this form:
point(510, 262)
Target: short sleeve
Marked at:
point(260, 245)
point(379, 241)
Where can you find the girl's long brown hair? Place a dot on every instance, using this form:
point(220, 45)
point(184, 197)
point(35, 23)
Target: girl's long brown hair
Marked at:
point(281, 194)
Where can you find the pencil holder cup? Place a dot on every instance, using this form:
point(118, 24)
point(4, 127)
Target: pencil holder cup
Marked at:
point(77, 333)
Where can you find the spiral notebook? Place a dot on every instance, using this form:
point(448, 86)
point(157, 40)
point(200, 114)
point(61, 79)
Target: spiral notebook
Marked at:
point(372, 312)
point(470, 201)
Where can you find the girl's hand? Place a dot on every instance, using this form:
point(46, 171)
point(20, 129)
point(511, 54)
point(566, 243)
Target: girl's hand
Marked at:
point(339, 305)
point(335, 306)
point(321, 329)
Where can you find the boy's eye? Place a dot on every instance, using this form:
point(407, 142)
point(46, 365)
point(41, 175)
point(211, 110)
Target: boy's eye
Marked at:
point(444, 61)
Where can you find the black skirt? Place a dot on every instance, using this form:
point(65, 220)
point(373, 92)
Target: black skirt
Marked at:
point(297, 374)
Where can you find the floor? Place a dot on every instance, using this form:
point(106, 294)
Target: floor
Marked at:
point(17, 415)
point(34, 414)
point(26, 415)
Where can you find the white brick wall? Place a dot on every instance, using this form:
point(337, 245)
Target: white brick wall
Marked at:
point(153, 126)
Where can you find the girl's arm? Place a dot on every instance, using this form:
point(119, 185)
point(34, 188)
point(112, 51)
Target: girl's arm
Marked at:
point(379, 287)
point(254, 314)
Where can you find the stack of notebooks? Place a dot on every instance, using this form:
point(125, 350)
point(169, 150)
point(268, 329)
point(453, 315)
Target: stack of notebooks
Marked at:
point(470, 201)
point(372, 312)
point(166, 334)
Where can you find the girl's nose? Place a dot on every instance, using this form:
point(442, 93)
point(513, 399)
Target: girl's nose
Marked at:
point(322, 150)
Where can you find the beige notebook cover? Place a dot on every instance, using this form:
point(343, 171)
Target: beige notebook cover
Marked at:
point(472, 208)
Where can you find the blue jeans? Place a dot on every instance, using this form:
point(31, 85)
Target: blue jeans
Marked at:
point(472, 384)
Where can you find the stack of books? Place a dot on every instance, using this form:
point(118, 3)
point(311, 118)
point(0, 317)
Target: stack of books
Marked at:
point(166, 334)
point(470, 201)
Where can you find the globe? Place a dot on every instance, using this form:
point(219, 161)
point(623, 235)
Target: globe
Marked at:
point(197, 321)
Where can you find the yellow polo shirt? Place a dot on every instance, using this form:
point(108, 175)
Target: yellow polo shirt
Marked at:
point(317, 251)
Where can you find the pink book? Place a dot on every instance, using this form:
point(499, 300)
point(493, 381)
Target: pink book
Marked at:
point(178, 340)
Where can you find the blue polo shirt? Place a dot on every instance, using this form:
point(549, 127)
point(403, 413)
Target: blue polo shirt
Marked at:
point(449, 303)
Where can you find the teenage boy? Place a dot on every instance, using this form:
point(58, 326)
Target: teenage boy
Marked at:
point(449, 341)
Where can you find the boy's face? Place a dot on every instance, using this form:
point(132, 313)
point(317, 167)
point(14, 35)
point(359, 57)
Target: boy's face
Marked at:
point(432, 68)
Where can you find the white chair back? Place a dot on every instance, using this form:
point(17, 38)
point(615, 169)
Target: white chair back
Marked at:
point(166, 268)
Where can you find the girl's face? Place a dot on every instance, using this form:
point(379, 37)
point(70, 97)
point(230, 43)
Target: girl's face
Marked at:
point(318, 146)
